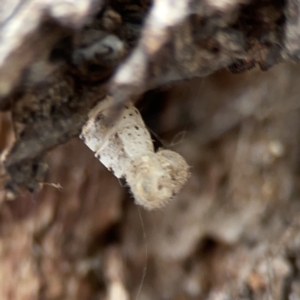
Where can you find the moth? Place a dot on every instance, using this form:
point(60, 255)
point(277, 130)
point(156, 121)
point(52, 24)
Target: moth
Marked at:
point(125, 148)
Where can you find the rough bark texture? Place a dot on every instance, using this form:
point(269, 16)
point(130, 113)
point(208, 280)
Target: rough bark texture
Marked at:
point(232, 233)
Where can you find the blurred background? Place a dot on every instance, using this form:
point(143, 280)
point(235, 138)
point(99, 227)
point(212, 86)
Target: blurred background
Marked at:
point(232, 233)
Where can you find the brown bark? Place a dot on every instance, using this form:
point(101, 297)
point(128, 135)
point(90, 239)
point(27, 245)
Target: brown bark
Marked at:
point(232, 233)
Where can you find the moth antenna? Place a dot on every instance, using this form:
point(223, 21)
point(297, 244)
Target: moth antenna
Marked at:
point(146, 255)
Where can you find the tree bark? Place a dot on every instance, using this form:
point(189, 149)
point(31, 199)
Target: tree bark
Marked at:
point(232, 233)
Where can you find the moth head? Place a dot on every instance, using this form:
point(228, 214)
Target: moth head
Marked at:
point(156, 178)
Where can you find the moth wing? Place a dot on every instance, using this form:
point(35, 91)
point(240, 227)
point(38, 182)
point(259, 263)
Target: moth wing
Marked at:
point(136, 141)
point(95, 131)
point(92, 136)
point(113, 156)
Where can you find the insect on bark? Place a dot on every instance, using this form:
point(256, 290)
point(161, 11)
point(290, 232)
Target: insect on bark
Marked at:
point(126, 149)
